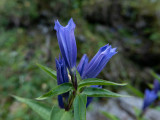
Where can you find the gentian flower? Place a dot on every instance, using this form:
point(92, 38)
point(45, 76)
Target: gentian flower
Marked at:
point(67, 43)
point(82, 64)
point(150, 97)
point(98, 62)
point(95, 66)
point(62, 77)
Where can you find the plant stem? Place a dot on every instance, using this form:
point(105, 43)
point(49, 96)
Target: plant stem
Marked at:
point(71, 98)
point(70, 101)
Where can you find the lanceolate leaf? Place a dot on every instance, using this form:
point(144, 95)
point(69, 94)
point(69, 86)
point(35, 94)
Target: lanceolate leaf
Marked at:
point(60, 89)
point(51, 72)
point(80, 107)
point(39, 108)
point(98, 92)
point(60, 114)
point(95, 81)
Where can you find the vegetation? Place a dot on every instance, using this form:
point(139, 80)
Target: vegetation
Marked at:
point(27, 38)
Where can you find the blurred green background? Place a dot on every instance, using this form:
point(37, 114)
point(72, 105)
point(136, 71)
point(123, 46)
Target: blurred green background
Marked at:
point(27, 37)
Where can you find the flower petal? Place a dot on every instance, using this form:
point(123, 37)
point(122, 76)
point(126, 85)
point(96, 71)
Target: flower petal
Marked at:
point(82, 64)
point(150, 97)
point(60, 101)
point(62, 74)
point(99, 61)
point(67, 42)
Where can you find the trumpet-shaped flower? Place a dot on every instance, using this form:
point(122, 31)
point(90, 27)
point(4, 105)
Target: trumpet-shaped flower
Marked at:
point(62, 77)
point(82, 64)
point(67, 43)
point(95, 66)
point(99, 61)
point(150, 97)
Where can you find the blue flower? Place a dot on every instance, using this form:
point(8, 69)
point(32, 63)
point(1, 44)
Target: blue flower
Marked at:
point(67, 43)
point(82, 64)
point(156, 86)
point(150, 97)
point(95, 66)
point(98, 62)
point(62, 74)
point(62, 77)
point(60, 101)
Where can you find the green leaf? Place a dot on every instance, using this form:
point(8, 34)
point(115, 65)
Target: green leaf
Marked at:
point(98, 92)
point(79, 105)
point(155, 75)
point(95, 81)
point(51, 72)
point(60, 89)
point(60, 114)
point(110, 116)
point(39, 108)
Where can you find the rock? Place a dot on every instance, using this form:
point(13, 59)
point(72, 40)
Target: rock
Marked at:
point(123, 108)
point(110, 107)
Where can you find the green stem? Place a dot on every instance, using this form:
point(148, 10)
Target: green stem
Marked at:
point(71, 99)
